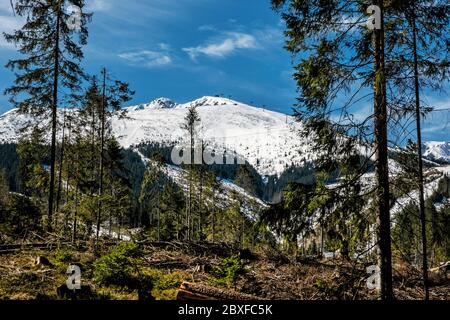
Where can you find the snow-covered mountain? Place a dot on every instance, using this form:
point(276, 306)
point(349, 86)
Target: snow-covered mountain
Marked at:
point(249, 205)
point(268, 140)
point(437, 151)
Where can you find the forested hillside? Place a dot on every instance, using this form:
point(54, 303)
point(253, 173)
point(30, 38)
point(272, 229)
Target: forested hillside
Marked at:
point(338, 197)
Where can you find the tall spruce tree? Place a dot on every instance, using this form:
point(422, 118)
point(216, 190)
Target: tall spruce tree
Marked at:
point(191, 120)
point(422, 60)
point(100, 103)
point(342, 63)
point(51, 50)
point(152, 188)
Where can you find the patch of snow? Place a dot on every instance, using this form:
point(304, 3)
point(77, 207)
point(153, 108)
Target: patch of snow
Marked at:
point(437, 150)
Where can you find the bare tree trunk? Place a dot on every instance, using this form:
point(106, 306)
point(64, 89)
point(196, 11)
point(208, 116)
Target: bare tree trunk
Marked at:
point(102, 145)
point(159, 223)
point(382, 169)
point(191, 185)
point(110, 211)
point(420, 163)
point(69, 175)
point(61, 162)
point(214, 218)
point(54, 119)
point(75, 213)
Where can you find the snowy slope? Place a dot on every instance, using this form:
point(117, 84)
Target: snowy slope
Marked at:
point(437, 151)
point(413, 196)
point(268, 140)
point(249, 204)
point(10, 124)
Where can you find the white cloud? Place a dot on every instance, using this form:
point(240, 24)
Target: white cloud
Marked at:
point(224, 47)
point(147, 58)
point(98, 5)
point(207, 27)
point(5, 6)
point(8, 25)
point(356, 113)
point(436, 129)
point(164, 46)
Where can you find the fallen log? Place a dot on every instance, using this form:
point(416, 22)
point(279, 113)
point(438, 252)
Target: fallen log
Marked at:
point(194, 291)
point(444, 267)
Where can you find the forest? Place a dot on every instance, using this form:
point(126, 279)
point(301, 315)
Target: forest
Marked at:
point(365, 216)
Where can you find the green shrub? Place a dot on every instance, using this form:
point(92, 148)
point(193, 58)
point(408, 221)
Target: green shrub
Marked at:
point(64, 255)
point(165, 286)
point(119, 267)
point(228, 271)
point(20, 214)
point(168, 281)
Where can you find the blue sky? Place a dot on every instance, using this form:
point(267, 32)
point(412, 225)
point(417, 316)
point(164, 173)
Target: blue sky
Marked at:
point(185, 49)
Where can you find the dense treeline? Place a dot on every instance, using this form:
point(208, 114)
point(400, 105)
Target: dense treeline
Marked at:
point(82, 185)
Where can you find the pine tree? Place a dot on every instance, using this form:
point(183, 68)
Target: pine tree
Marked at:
point(118, 199)
point(191, 120)
point(32, 152)
point(112, 99)
point(151, 192)
point(213, 191)
point(171, 206)
point(99, 103)
point(424, 32)
point(342, 57)
point(49, 66)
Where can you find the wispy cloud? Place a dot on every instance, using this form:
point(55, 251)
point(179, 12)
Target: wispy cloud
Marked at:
point(99, 5)
point(436, 129)
point(8, 24)
point(147, 58)
point(139, 13)
point(220, 48)
point(207, 27)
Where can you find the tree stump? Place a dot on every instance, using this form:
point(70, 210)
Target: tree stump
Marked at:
point(194, 291)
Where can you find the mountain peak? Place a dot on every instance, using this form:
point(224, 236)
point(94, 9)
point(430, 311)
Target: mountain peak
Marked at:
point(213, 101)
point(437, 150)
point(160, 103)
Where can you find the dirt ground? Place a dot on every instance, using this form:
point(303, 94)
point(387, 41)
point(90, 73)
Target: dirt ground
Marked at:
point(267, 276)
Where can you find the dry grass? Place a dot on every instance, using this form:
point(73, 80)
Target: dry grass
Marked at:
point(270, 277)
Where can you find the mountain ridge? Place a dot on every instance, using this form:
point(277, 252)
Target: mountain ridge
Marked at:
point(267, 140)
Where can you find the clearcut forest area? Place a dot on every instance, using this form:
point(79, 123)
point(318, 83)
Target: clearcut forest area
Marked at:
point(303, 155)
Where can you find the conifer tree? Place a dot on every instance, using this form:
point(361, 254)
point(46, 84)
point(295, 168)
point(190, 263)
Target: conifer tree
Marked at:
point(51, 50)
point(171, 205)
point(341, 56)
point(422, 60)
point(100, 103)
point(191, 120)
point(213, 191)
point(347, 63)
point(151, 192)
point(32, 152)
